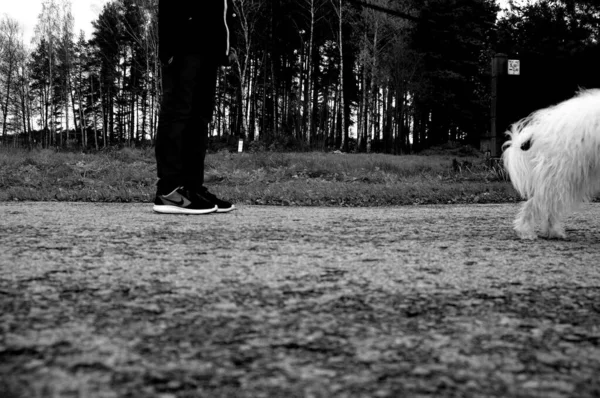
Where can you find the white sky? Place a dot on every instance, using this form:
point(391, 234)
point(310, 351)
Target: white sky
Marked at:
point(504, 3)
point(27, 12)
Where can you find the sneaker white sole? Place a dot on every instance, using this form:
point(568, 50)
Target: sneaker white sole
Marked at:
point(232, 208)
point(166, 209)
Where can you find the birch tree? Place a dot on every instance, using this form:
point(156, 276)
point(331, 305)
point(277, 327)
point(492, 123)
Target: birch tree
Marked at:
point(47, 33)
point(248, 12)
point(10, 52)
point(344, 129)
point(315, 12)
point(66, 44)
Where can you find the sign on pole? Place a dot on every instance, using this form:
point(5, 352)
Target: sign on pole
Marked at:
point(240, 146)
point(514, 67)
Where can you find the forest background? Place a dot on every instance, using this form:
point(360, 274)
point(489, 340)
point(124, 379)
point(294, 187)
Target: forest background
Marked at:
point(311, 74)
point(416, 82)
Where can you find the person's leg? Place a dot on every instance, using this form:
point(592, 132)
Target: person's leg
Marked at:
point(176, 147)
point(196, 133)
point(201, 83)
point(204, 104)
point(175, 117)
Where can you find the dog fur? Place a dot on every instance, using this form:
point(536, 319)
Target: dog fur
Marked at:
point(553, 160)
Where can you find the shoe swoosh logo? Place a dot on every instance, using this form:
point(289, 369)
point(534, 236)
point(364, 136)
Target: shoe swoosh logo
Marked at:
point(183, 202)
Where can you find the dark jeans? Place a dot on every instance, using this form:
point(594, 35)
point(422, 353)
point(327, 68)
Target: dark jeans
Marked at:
point(189, 84)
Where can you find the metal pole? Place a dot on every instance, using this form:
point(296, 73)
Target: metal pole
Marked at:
point(499, 116)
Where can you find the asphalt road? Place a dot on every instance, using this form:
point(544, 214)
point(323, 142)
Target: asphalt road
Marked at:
point(110, 299)
point(468, 247)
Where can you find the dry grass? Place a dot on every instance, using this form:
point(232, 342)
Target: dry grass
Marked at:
point(128, 175)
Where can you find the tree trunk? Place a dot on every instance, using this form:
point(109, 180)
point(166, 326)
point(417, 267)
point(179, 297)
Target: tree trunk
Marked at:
point(344, 130)
point(389, 121)
point(363, 116)
point(5, 105)
point(104, 117)
point(309, 78)
point(95, 117)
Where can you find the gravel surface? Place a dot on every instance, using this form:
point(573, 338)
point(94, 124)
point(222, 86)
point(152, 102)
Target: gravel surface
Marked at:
point(112, 300)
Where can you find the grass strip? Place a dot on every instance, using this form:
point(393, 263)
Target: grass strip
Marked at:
point(269, 178)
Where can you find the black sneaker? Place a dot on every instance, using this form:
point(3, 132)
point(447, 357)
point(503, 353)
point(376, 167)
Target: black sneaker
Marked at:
point(183, 201)
point(222, 205)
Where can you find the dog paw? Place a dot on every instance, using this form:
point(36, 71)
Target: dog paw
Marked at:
point(554, 234)
point(526, 234)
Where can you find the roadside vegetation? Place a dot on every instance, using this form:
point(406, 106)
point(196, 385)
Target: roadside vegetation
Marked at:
point(437, 176)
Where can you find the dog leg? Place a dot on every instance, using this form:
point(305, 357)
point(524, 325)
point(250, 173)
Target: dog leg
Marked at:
point(557, 231)
point(552, 211)
point(553, 228)
point(525, 221)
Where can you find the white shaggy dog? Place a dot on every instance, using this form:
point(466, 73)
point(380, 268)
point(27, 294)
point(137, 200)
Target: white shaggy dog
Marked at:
point(553, 159)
